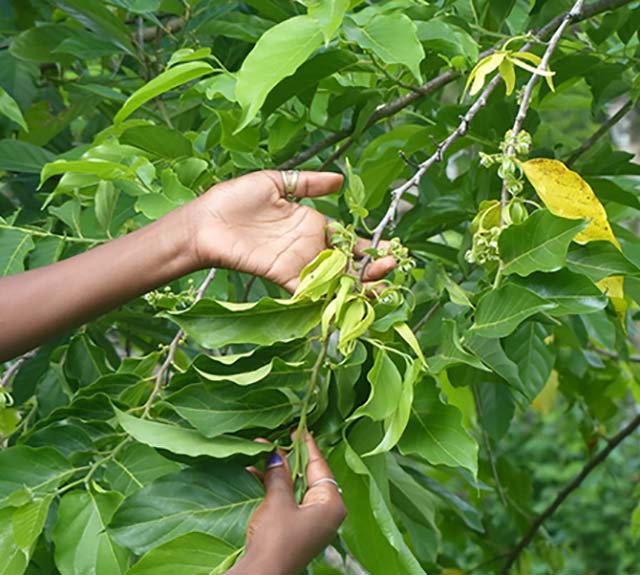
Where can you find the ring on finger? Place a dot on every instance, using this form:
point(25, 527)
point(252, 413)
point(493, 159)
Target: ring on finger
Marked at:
point(326, 480)
point(290, 182)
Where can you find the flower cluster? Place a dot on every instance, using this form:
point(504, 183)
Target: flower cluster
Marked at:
point(508, 170)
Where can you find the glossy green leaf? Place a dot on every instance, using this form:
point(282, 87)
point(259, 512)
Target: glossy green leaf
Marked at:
point(14, 560)
point(527, 347)
point(184, 441)
point(396, 423)
point(216, 499)
point(386, 388)
point(28, 522)
point(496, 407)
point(10, 109)
point(501, 311)
point(14, 247)
point(329, 14)
point(540, 243)
point(492, 354)
point(18, 156)
point(82, 544)
point(214, 412)
point(158, 140)
point(168, 80)
point(213, 324)
point(40, 470)
point(392, 38)
point(101, 169)
point(572, 293)
point(435, 432)
point(135, 467)
point(278, 54)
point(452, 352)
point(190, 554)
point(600, 259)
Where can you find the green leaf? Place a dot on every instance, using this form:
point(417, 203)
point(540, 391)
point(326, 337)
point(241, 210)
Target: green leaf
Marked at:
point(190, 554)
point(184, 441)
point(329, 14)
point(451, 351)
point(540, 243)
point(396, 423)
point(216, 499)
point(600, 259)
point(278, 54)
point(17, 156)
point(28, 522)
point(491, 353)
point(213, 324)
point(392, 38)
point(40, 470)
point(135, 467)
point(409, 565)
point(13, 559)
point(9, 108)
point(106, 199)
point(227, 409)
point(99, 168)
point(99, 19)
point(82, 544)
point(572, 293)
point(501, 311)
point(386, 389)
point(14, 247)
point(496, 408)
point(535, 359)
point(168, 80)
point(158, 140)
point(435, 432)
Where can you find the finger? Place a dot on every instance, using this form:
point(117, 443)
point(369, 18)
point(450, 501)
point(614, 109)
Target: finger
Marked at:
point(255, 472)
point(378, 269)
point(363, 244)
point(320, 491)
point(309, 184)
point(317, 466)
point(277, 480)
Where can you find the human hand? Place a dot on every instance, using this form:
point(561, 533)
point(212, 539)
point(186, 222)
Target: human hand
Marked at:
point(247, 224)
point(282, 536)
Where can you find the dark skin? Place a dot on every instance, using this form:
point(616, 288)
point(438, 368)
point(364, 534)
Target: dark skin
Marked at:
point(245, 224)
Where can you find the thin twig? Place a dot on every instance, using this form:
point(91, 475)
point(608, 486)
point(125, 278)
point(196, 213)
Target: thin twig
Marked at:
point(571, 16)
point(566, 491)
point(612, 355)
point(14, 367)
point(169, 27)
point(435, 84)
point(432, 310)
point(173, 347)
point(601, 131)
point(436, 157)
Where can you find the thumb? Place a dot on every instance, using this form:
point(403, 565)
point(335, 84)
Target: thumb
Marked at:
point(277, 480)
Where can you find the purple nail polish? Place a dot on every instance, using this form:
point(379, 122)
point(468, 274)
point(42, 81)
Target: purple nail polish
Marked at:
point(275, 460)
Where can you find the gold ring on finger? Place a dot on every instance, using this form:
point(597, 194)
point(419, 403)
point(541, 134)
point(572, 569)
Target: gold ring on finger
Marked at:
point(290, 182)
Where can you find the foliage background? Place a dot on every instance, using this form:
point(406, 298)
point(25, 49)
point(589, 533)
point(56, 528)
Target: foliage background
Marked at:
point(373, 79)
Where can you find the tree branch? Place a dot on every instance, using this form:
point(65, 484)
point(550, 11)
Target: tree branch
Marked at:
point(169, 27)
point(571, 16)
point(438, 82)
point(566, 491)
point(602, 130)
point(14, 367)
point(173, 347)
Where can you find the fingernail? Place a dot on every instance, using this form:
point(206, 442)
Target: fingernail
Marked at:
point(275, 460)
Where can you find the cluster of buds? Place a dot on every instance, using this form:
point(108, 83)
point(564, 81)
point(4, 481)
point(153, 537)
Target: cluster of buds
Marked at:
point(391, 296)
point(484, 248)
point(168, 299)
point(508, 170)
point(400, 253)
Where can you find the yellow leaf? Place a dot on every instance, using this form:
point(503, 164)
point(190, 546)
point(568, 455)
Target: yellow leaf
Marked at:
point(547, 397)
point(566, 194)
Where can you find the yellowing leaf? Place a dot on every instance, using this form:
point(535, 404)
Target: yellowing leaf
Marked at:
point(508, 74)
point(547, 397)
point(566, 194)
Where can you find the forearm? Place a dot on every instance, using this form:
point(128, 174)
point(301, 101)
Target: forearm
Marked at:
point(37, 304)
